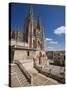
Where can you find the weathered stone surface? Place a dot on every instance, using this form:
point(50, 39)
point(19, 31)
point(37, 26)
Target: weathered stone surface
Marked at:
point(20, 55)
point(55, 72)
point(17, 77)
point(39, 79)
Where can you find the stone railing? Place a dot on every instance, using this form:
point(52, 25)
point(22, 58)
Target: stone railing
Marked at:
point(48, 73)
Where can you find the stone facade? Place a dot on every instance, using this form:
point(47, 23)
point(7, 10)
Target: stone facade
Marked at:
point(23, 54)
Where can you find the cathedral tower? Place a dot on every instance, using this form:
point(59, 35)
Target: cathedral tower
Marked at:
point(40, 35)
point(33, 33)
point(29, 28)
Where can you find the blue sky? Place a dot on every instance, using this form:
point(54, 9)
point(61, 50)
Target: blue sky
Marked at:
point(52, 18)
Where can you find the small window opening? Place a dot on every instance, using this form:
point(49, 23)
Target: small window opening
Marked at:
point(28, 53)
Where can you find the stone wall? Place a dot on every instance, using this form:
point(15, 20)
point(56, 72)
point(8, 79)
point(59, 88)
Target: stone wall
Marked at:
point(19, 54)
point(23, 54)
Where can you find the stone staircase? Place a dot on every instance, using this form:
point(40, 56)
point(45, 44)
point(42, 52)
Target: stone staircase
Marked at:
point(18, 78)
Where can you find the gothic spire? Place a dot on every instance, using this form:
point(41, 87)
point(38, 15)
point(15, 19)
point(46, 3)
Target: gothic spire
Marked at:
point(39, 23)
point(30, 11)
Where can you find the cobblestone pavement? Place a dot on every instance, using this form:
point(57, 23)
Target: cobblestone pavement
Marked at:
point(17, 77)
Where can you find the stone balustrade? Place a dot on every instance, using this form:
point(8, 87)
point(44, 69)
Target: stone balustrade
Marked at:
point(60, 77)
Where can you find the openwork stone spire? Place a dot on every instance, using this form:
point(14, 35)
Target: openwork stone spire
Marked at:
point(30, 11)
point(39, 26)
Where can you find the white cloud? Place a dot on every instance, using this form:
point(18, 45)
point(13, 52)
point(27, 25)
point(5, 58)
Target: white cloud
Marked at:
point(53, 42)
point(49, 39)
point(60, 30)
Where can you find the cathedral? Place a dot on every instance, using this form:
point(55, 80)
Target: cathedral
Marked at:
point(28, 44)
point(29, 62)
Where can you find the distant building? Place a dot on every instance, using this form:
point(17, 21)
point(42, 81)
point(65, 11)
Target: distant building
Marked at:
point(58, 57)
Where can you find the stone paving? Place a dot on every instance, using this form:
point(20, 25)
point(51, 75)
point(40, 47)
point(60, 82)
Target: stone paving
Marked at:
point(39, 79)
point(18, 79)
